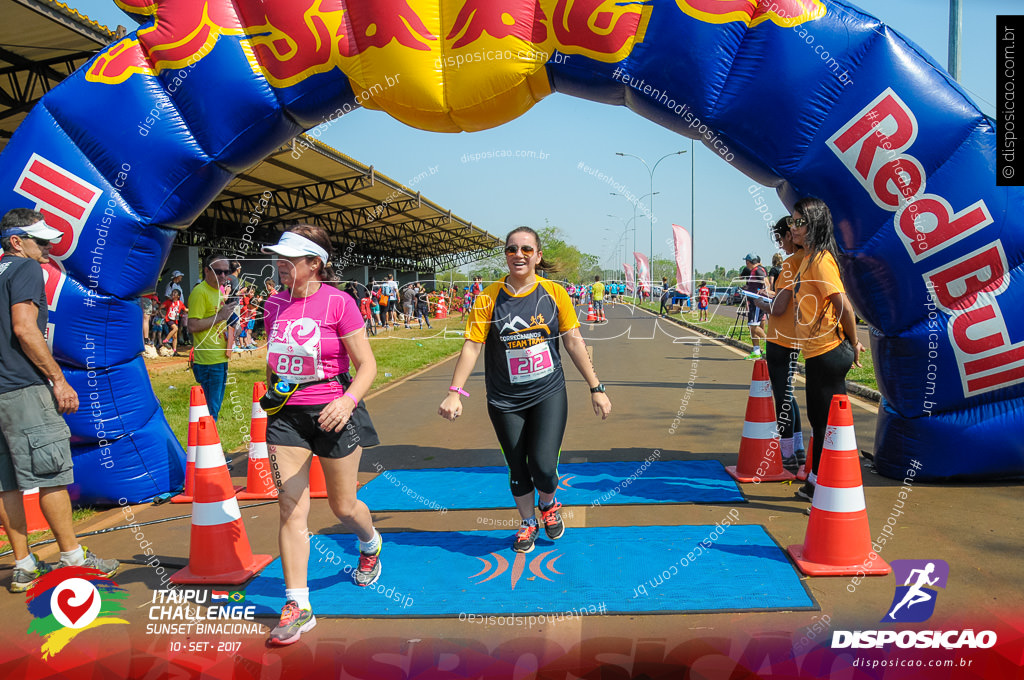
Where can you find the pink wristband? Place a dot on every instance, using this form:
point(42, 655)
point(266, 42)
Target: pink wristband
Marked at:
point(461, 391)
point(354, 400)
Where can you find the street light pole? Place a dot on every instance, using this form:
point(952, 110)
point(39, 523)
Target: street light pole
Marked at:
point(693, 231)
point(650, 172)
point(625, 232)
point(637, 201)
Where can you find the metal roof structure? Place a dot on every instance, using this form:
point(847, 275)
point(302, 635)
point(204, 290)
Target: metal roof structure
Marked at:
point(373, 220)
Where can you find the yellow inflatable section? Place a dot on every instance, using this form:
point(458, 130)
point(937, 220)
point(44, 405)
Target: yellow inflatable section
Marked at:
point(459, 65)
point(440, 65)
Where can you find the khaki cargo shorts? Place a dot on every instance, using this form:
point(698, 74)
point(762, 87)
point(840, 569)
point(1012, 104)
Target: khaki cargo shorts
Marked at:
point(35, 449)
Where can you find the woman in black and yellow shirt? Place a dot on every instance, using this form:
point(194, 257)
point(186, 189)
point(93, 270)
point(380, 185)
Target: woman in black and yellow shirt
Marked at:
point(518, 321)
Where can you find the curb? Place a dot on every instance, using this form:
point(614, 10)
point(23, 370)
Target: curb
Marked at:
point(851, 387)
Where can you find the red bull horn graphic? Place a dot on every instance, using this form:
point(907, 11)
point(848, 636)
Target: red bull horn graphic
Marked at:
point(753, 12)
point(290, 41)
point(483, 49)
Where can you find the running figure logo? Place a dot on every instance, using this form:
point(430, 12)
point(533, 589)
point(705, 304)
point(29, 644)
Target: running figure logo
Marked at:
point(914, 601)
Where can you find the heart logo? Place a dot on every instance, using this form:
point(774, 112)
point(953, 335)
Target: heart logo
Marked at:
point(74, 612)
point(75, 603)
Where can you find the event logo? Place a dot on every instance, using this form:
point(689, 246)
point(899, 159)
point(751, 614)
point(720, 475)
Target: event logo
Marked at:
point(786, 13)
point(70, 600)
point(914, 601)
point(501, 565)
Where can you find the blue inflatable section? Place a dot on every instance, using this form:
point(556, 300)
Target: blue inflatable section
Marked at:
point(932, 247)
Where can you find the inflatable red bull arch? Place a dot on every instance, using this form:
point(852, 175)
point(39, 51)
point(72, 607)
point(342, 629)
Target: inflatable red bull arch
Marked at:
point(134, 145)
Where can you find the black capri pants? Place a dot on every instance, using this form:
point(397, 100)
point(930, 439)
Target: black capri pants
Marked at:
point(781, 365)
point(826, 377)
point(531, 440)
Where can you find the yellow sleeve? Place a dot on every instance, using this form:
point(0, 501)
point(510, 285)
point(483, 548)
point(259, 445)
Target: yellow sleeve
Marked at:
point(479, 320)
point(197, 304)
point(826, 270)
point(567, 319)
point(787, 277)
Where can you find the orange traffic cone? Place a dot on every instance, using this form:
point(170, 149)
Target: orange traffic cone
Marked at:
point(317, 483)
point(591, 317)
point(197, 408)
point(441, 312)
point(838, 540)
point(34, 520)
point(219, 549)
point(760, 457)
point(804, 473)
point(600, 315)
point(259, 481)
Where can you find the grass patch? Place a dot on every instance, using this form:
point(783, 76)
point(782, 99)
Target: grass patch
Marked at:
point(399, 352)
point(722, 319)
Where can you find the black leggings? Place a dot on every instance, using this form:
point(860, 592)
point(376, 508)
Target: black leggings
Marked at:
point(781, 362)
point(826, 377)
point(531, 440)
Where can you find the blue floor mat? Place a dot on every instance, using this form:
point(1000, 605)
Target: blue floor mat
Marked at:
point(714, 568)
point(670, 481)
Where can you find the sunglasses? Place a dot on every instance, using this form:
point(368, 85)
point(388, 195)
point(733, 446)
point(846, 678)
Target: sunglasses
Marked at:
point(513, 249)
point(41, 242)
point(220, 272)
point(796, 222)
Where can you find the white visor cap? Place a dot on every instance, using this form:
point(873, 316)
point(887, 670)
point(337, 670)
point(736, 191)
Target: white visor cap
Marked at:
point(38, 230)
point(293, 245)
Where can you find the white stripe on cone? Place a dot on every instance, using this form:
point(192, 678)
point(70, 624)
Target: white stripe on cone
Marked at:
point(257, 411)
point(215, 513)
point(194, 414)
point(209, 456)
point(835, 499)
point(760, 388)
point(759, 430)
point(258, 450)
point(840, 438)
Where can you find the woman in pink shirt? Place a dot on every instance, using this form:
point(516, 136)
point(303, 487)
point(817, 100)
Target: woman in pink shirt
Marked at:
point(313, 331)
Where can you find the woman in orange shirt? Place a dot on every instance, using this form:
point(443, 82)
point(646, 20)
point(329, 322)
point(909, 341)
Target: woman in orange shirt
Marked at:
point(782, 348)
point(825, 323)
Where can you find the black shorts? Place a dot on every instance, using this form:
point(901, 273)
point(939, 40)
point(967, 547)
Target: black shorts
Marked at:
point(297, 426)
point(754, 315)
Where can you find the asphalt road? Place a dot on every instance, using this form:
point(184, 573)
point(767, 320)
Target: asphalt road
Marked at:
point(646, 364)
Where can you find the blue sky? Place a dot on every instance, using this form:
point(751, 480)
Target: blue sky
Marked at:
point(500, 193)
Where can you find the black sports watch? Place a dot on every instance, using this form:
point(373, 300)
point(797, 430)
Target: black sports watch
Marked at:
point(599, 388)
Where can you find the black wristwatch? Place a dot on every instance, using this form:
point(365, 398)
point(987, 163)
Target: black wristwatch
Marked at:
point(599, 388)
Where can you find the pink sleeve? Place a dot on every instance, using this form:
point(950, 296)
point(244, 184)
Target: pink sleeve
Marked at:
point(351, 320)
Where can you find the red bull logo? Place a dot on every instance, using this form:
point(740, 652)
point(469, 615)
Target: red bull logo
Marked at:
point(787, 13)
